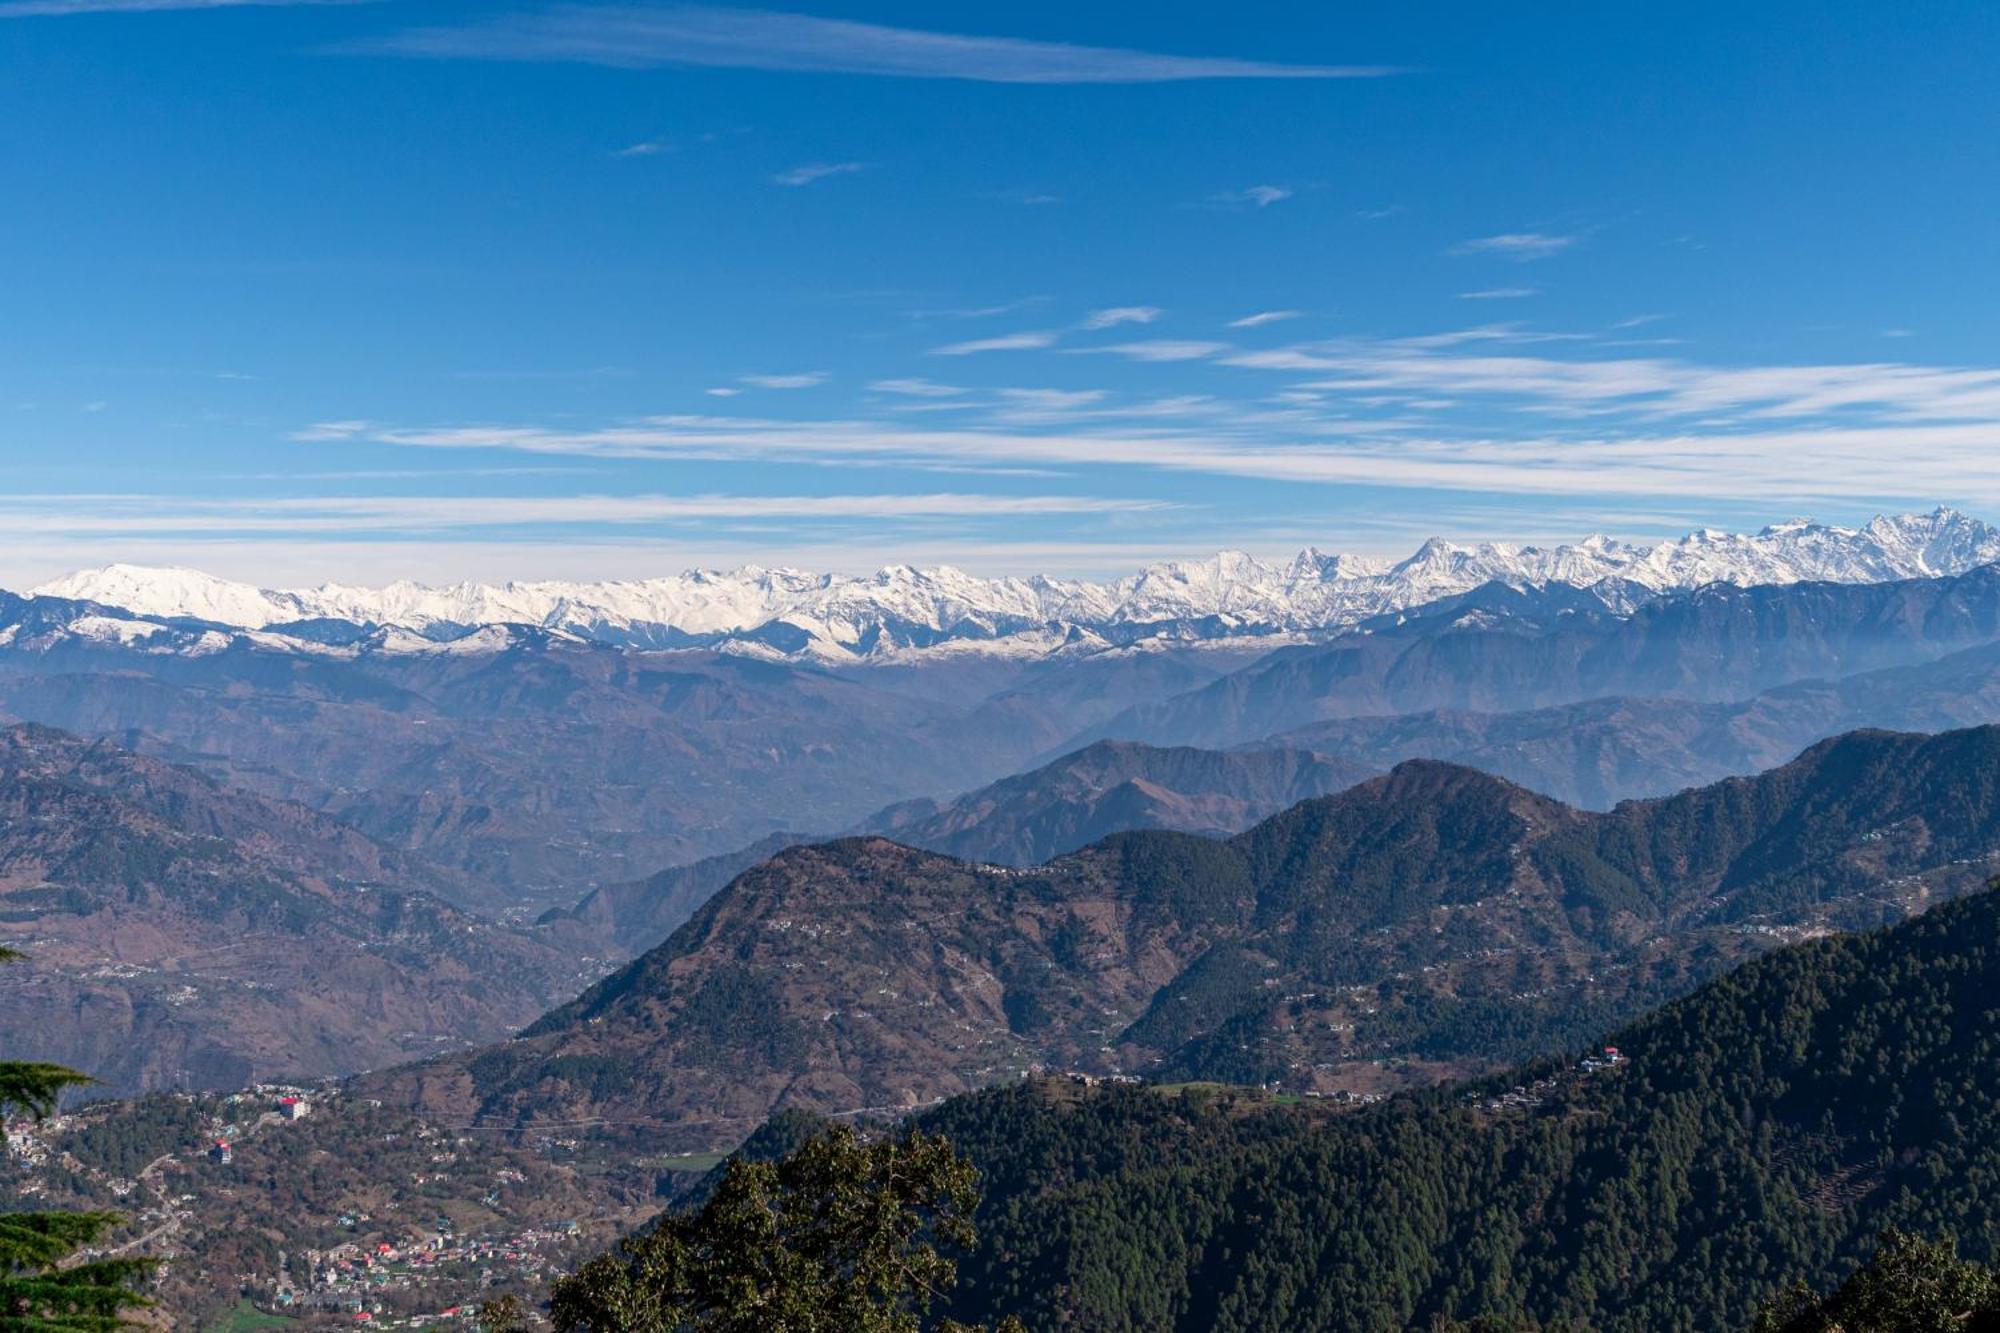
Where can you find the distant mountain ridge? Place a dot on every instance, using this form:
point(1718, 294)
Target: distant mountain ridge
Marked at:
point(1503, 651)
point(1081, 798)
point(901, 611)
point(1429, 922)
point(1623, 747)
point(182, 934)
point(546, 767)
point(1114, 787)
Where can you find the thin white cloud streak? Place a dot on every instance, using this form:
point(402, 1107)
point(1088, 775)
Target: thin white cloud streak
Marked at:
point(1650, 387)
point(1263, 317)
point(917, 387)
point(1806, 463)
point(816, 171)
point(639, 38)
point(24, 9)
point(306, 562)
point(1121, 314)
point(1499, 294)
point(1006, 342)
point(1256, 196)
point(803, 380)
point(141, 514)
point(1161, 349)
point(1517, 245)
point(983, 311)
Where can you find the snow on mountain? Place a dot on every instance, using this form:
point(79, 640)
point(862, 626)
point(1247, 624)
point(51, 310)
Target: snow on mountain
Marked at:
point(900, 609)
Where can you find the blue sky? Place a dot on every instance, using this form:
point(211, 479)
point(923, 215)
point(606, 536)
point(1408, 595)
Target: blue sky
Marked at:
point(369, 290)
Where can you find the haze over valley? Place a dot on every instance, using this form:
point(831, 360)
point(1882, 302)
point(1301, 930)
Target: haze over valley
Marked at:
point(669, 666)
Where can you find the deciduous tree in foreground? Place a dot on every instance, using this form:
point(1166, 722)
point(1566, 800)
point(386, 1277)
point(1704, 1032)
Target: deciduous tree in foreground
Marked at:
point(1911, 1286)
point(842, 1236)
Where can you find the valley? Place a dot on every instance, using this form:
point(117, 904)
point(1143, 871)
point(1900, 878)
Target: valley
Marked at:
point(1253, 890)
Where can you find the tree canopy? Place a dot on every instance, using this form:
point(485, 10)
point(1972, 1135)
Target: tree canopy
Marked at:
point(44, 1287)
point(843, 1235)
point(1911, 1285)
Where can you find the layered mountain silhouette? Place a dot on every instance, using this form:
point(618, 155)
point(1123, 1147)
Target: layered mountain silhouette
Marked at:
point(1431, 921)
point(543, 767)
point(1603, 751)
point(180, 934)
point(1115, 787)
point(1110, 787)
point(1717, 644)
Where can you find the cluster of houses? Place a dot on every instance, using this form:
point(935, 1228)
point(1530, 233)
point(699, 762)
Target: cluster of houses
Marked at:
point(1523, 1096)
point(1611, 1057)
point(379, 1282)
point(292, 1105)
point(1103, 1080)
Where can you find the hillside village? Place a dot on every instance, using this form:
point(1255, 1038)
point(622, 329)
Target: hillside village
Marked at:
point(400, 1223)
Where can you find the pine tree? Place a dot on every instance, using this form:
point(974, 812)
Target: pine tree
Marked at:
point(43, 1287)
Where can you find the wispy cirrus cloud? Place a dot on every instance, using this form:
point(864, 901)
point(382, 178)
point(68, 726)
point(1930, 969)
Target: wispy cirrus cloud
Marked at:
point(1871, 462)
point(801, 380)
point(181, 516)
point(1499, 293)
point(24, 9)
point(630, 37)
point(1162, 349)
point(816, 171)
point(981, 311)
point(1121, 314)
point(917, 387)
point(1499, 408)
point(1007, 342)
point(1520, 246)
point(1255, 196)
point(1263, 317)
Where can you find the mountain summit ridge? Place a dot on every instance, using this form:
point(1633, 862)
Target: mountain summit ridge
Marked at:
point(901, 609)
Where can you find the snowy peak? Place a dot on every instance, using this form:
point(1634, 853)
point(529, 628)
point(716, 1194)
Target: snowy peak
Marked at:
point(902, 609)
point(172, 592)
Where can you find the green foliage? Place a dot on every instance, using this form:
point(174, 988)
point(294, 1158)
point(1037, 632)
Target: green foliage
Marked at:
point(41, 1289)
point(34, 1087)
point(1910, 1286)
point(149, 1128)
point(503, 1314)
point(841, 1236)
point(1765, 1128)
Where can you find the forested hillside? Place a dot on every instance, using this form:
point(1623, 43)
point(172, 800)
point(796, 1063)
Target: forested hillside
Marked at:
point(1763, 1129)
point(1427, 924)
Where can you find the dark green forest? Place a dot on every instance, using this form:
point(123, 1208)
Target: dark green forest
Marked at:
point(1761, 1132)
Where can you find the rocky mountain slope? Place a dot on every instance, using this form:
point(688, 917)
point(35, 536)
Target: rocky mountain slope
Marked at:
point(1111, 787)
point(180, 933)
point(1435, 919)
point(901, 610)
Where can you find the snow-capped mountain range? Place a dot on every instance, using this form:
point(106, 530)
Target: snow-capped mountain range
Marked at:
point(900, 610)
